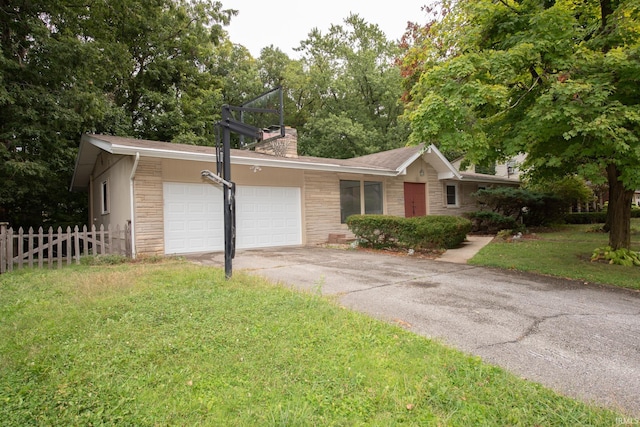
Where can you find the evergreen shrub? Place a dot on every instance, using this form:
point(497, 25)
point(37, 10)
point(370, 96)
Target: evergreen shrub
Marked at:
point(490, 222)
point(424, 232)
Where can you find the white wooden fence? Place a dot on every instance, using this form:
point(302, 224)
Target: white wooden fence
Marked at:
point(49, 249)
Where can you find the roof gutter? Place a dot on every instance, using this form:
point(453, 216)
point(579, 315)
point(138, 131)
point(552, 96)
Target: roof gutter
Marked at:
point(325, 167)
point(132, 205)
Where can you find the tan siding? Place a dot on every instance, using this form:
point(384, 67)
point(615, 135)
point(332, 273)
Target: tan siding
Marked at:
point(190, 171)
point(322, 207)
point(394, 196)
point(115, 170)
point(435, 192)
point(149, 212)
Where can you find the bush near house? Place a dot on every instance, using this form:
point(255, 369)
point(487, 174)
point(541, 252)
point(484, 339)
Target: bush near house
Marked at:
point(531, 208)
point(593, 217)
point(586, 218)
point(424, 232)
point(490, 222)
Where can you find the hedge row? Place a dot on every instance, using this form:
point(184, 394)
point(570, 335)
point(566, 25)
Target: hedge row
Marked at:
point(593, 217)
point(490, 222)
point(424, 232)
point(586, 218)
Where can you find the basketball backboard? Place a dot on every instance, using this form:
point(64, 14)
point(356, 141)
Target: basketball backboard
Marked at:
point(264, 112)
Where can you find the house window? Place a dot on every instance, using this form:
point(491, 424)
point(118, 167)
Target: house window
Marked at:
point(349, 199)
point(452, 195)
point(373, 197)
point(360, 197)
point(104, 192)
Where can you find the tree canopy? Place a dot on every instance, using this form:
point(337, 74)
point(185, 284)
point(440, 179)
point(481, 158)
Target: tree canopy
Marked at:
point(354, 103)
point(127, 67)
point(557, 80)
point(162, 69)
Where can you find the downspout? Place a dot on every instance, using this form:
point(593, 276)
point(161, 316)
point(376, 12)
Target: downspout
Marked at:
point(132, 204)
point(91, 219)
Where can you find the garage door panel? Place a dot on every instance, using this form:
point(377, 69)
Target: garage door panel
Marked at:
point(265, 216)
point(192, 218)
point(264, 209)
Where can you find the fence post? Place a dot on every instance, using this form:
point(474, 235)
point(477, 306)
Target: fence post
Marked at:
point(85, 239)
point(59, 248)
point(101, 246)
point(110, 232)
point(4, 245)
point(76, 244)
point(9, 246)
point(69, 246)
point(40, 246)
point(50, 248)
point(29, 246)
point(20, 253)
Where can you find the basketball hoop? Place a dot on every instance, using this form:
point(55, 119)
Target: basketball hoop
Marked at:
point(255, 122)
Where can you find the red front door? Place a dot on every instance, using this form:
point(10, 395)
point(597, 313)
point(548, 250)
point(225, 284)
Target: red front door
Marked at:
point(415, 203)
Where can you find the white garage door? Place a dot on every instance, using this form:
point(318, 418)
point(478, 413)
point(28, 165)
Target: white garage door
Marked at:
point(268, 216)
point(265, 216)
point(193, 218)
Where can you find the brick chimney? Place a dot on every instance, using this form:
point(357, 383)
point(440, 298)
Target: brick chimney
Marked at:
point(281, 147)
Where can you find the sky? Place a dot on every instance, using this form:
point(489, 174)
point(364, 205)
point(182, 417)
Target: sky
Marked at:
point(284, 23)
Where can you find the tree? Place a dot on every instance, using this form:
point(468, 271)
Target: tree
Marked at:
point(127, 67)
point(354, 88)
point(558, 80)
point(238, 73)
point(277, 69)
point(159, 54)
point(572, 190)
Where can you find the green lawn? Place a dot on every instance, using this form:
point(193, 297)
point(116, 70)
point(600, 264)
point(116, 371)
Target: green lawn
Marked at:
point(563, 252)
point(175, 344)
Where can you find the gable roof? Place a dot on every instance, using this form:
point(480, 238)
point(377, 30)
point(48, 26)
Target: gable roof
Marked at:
point(386, 163)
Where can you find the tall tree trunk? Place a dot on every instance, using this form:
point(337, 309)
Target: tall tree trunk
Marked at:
point(619, 211)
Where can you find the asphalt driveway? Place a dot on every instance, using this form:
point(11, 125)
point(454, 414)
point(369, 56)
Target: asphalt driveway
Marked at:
point(582, 340)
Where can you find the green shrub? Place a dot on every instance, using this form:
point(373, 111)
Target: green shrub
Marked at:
point(535, 208)
point(509, 201)
point(439, 232)
point(623, 256)
point(375, 231)
point(490, 222)
point(593, 217)
point(425, 232)
point(546, 209)
point(586, 218)
point(505, 234)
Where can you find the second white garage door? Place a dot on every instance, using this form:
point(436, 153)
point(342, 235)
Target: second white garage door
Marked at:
point(265, 216)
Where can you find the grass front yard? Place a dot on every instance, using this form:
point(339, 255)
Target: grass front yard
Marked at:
point(175, 344)
point(562, 252)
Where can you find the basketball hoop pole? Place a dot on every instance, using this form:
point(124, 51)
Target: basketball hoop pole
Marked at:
point(223, 159)
point(229, 187)
point(228, 195)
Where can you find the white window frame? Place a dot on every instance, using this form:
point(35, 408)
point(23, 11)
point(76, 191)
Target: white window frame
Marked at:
point(105, 197)
point(457, 194)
